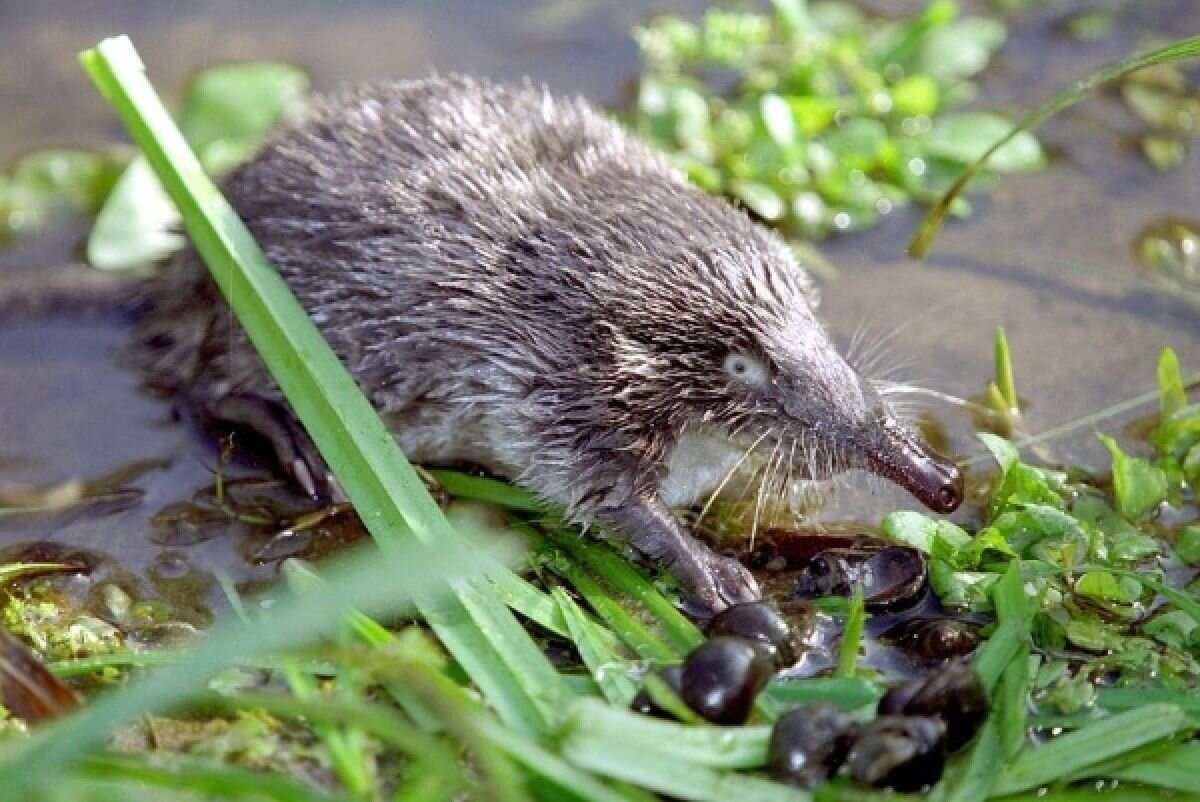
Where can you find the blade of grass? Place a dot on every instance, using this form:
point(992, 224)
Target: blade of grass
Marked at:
point(1004, 372)
point(852, 635)
point(1012, 703)
point(1012, 631)
point(593, 724)
point(970, 778)
point(491, 491)
point(848, 693)
point(1175, 769)
point(680, 633)
point(482, 635)
point(624, 626)
point(918, 246)
point(185, 773)
point(608, 669)
point(1120, 699)
point(1073, 753)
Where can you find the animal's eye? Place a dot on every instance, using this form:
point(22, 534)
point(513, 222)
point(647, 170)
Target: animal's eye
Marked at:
point(747, 369)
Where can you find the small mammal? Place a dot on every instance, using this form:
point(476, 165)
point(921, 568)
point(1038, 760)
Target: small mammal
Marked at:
point(518, 283)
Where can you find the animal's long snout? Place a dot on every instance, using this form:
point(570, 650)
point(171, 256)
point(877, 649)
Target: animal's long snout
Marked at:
point(899, 455)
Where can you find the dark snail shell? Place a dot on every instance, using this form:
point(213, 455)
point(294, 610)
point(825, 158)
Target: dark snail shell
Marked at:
point(722, 677)
point(934, 638)
point(891, 578)
point(757, 621)
point(904, 753)
point(809, 744)
point(953, 693)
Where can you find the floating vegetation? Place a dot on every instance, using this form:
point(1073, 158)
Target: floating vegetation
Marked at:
point(1169, 104)
point(1169, 250)
point(818, 118)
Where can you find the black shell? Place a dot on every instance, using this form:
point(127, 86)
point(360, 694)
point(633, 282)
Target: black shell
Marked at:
point(809, 744)
point(934, 638)
point(904, 753)
point(757, 621)
point(953, 693)
point(722, 677)
point(891, 578)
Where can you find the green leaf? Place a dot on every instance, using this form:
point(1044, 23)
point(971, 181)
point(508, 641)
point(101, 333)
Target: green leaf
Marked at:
point(1138, 485)
point(47, 185)
point(1171, 395)
point(916, 95)
point(1188, 545)
point(960, 49)
point(228, 109)
point(965, 137)
point(759, 198)
point(1103, 586)
point(778, 119)
point(137, 226)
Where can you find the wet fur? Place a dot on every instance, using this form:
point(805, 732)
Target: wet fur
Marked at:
point(516, 282)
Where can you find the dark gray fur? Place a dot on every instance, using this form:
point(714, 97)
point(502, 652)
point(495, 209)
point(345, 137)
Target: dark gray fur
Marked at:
point(517, 282)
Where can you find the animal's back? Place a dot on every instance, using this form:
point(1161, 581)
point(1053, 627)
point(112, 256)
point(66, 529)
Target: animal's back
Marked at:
point(459, 244)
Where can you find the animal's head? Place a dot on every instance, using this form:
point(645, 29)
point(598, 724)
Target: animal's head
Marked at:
point(727, 337)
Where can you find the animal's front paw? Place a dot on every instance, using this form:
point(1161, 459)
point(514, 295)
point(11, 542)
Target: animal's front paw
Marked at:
point(724, 581)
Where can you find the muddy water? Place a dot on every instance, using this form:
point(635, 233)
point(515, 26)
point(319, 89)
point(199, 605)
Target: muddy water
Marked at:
point(1081, 339)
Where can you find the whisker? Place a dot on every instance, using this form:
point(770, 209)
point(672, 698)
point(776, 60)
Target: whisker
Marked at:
point(729, 475)
point(762, 492)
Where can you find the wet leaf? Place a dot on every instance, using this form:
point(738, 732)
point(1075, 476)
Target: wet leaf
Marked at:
point(48, 186)
point(960, 49)
point(1139, 485)
point(137, 226)
point(965, 137)
point(1188, 545)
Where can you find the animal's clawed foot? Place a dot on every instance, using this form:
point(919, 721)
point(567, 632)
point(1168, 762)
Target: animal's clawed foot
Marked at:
point(723, 581)
point(294, 449)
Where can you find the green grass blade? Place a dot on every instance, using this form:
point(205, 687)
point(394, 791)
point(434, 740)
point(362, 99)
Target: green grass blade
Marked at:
point(608, 669)
point(1177, 769)
point(1116, 700)
point(680, 633)
point(630, 630)
point(848, 693)
point(594, 725)
point(1074, 753)
point(184, 773)
point(482, 635)
point(918, 246)
point(970, 778)
point(852, 635)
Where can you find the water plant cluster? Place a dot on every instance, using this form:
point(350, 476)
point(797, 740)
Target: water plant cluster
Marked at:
point(818, 118)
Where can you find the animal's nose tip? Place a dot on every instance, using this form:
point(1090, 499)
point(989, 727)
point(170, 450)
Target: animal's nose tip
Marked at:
point(950, 495)
point(907, 460)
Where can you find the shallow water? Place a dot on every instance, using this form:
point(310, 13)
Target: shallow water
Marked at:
point(1081, 339)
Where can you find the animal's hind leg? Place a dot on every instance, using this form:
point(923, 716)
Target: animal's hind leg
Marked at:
point(294, 449)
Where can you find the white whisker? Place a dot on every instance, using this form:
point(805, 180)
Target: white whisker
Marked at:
point(729, 475)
